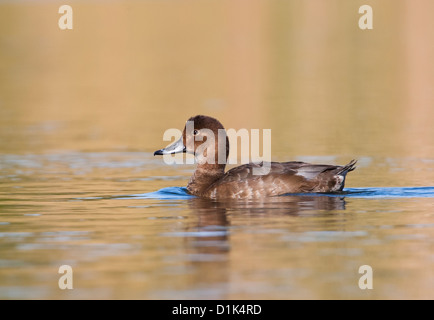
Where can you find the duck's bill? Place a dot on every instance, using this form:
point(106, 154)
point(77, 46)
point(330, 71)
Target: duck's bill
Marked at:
point(175, 147)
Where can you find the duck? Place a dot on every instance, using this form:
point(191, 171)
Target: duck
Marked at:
point(247, 181)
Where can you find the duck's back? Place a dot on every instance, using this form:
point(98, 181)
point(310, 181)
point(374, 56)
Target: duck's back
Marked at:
point(278, 178)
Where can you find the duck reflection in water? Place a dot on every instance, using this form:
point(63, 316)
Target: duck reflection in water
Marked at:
point(207, 239)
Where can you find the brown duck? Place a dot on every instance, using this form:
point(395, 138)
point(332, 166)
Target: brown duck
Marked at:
point(210, 180)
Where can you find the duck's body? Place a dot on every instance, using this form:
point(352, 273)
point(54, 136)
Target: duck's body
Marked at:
point(243, 182)
point(283, 177)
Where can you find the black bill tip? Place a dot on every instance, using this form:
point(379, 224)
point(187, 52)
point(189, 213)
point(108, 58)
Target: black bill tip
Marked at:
point(158, 153)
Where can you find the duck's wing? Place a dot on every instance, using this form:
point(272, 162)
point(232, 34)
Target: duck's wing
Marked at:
point(307, 170)
point(313, 171)
point(325, 178)
point(261, 170)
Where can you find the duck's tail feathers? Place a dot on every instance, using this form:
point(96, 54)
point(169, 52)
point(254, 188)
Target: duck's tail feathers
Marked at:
point(347, 168)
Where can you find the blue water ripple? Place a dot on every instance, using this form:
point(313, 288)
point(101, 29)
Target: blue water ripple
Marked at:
point(393, 192)
point(179, 193)
point(169, 193)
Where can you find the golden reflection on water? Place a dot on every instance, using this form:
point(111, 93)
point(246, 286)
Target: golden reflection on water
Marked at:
point(132, 69)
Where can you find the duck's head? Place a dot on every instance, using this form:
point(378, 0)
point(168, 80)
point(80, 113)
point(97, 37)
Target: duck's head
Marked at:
point(203, 136)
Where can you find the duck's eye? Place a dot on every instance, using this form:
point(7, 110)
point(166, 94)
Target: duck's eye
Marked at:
point(195, 132)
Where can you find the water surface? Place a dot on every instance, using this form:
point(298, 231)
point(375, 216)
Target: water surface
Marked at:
point(82, 209)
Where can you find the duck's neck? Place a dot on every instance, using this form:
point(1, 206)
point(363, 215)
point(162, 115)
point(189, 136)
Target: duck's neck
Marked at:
point(204, 176)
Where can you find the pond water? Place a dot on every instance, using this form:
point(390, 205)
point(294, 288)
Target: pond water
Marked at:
point(88, 210)
point(81, 112)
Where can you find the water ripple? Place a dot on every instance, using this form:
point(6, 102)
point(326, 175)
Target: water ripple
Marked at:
point(179, 193)
point(169, 193)
point(394, 192)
